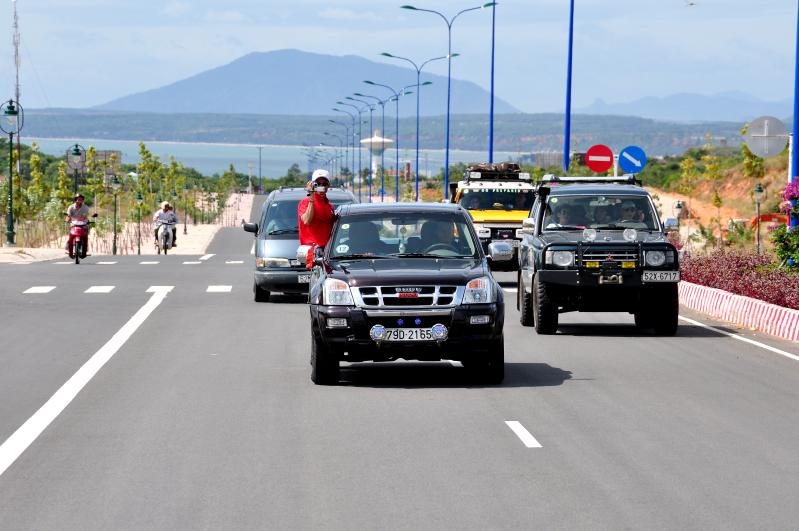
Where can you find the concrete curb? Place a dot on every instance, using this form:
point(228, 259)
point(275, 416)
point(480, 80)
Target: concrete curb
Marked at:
point(743, 311)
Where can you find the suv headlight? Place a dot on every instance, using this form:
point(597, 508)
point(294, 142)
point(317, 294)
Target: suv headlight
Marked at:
point(559, 258)
point(337, 293)
point(479, 291)
point(272, 262)
point(655, 258)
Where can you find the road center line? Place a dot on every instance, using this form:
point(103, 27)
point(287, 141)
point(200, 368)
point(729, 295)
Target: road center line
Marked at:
point(21, 439)
point(744, 339)
point(192, 262)
point(100, 289)
point(39, 289)
point(522, 433)
point(206, 256)
point(219, 289)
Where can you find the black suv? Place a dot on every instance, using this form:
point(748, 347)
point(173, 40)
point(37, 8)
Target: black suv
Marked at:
point(596, 244)
point(277, 237)
point(410, 281)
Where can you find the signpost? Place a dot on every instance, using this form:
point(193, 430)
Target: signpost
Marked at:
point(599, 158)
point(632, 159)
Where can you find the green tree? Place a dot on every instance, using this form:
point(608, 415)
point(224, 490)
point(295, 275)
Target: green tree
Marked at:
point(37, 192)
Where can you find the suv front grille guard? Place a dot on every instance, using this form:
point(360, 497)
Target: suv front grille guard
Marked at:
point(407, 296)
point(608, 254)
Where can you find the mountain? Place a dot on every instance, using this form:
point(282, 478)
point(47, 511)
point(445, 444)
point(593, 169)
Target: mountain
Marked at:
point(293, 82)
point(687, 107)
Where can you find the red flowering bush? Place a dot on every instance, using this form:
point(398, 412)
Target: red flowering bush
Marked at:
point(743, 273)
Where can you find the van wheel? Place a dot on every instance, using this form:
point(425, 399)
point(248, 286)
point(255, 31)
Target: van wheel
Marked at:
point(324, 364)
point(261, 295)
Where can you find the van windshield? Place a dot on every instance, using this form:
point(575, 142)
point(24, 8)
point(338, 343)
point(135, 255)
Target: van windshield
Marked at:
point(280, 217)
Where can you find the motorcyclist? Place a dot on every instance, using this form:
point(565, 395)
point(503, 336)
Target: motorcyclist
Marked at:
point(77, 211)
point(166, 215)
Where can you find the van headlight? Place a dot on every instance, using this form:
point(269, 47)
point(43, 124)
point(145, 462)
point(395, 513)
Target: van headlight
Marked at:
point(655, 258)
point(559, 258)
point(337, 293)
point(479, 291)
point(272, 262)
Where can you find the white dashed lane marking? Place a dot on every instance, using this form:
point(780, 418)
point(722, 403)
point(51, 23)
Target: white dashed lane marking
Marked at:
point(206, 257)
point(148, 263)
point(39, 289)
point(99, 289)
point(234, 261)
point(511, 290)
point(521, 432)
point(191, 263)
point(106, 263)
point(219, 289)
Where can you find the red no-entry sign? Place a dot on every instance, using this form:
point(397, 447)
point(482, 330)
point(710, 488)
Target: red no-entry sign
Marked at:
point(599, 158)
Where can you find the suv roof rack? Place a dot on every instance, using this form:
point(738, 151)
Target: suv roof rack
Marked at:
point(500, 171)
point(568, 179)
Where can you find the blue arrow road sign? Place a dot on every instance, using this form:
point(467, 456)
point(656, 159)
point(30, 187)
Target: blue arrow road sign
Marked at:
point(632, 159)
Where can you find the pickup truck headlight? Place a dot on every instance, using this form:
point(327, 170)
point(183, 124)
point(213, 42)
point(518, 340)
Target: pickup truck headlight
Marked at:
point(559, 258)
point(479, 291)
point(337, 293)
point(655, 258)
point(272, 262)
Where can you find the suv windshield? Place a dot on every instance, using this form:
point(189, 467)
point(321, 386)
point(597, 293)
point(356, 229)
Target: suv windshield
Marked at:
point(405, 235)
point(497, 199)
point(599, 212)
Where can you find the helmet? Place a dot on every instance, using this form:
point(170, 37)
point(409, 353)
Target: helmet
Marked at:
point(165, 204)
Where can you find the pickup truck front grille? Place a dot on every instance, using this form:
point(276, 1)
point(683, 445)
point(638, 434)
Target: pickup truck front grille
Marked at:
point(405, 296)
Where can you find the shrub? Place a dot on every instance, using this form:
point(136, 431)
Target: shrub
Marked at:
point(744, 273)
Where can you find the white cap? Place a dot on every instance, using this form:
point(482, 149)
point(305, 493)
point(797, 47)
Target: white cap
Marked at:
point(318, 174)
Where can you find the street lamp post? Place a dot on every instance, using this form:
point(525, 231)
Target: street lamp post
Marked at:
point(382, 104)
point(185, 206)
point(371, 108)
point(360, 136)
point(567, 122)
point(77, 161)
point(346, 145)
point(759, 194)
point(396, 133)
point(352, 143)
point(115, 186)
point(139, 201)
point(491, 106)
point(418, 93)
point(340, 145)
point(449, 23)
point(14, 118)
point(678, 206)
point(260, 178)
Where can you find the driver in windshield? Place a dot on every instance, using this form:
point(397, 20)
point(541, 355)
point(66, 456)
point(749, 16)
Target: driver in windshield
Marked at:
point(364, 238)
point(564, 216)
point(436, 232)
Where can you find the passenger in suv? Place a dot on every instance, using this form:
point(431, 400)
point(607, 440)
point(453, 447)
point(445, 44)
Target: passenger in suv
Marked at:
point(277, 238)
point(378, 299)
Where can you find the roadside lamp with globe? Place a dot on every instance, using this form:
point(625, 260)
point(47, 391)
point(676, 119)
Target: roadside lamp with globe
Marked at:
point(139, 201)
point(115, 186)
point(13, 118)
point(76, 160)
point(678, 206)
point(759, 195)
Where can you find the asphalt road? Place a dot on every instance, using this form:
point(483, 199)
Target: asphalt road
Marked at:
point(190, 407)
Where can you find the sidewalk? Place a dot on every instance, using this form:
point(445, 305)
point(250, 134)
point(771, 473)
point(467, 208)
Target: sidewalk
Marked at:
point(194, 242)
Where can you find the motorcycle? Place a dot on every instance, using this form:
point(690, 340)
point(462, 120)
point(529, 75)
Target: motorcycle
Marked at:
point(164, 240)
point(78, 242)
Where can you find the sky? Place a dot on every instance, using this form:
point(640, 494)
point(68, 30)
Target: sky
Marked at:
point(80, 53)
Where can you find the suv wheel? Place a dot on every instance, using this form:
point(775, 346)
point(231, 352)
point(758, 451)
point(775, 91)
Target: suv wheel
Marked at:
point(524, 304)
point(545, 313)
point(324, 364)
point(667, 311)
point(261, 295)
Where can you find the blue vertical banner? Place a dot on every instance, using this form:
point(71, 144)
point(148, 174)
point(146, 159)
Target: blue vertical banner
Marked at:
point(793, 221)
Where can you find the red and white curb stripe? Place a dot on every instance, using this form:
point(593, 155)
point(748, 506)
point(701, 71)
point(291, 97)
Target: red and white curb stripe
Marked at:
point(743, 311)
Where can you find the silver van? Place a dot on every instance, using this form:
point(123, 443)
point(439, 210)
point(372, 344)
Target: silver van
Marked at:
point(276, 240)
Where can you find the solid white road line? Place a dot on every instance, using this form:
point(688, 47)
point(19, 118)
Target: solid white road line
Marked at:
point(191, 263)
point(511, 290)
point(522, 433)
point(99, 289)
point(106, 263)
point(234, 261)
point(21, 439)
point(219, 289)
point(744, 339)
point(63, 263)
point(206, 256)
point(148, 263)
point(39, 289)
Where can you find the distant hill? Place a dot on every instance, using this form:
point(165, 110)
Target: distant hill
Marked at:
point(520, 133)
point(293, 82)
point(727, 106)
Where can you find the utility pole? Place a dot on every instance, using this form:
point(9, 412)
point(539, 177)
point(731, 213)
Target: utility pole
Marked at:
point(15, 40)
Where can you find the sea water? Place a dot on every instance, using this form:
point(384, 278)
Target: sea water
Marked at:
point(209, 159)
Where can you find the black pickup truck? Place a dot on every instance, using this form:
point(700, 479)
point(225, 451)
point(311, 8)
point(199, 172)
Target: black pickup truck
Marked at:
point(596, 245)
point(406, 281)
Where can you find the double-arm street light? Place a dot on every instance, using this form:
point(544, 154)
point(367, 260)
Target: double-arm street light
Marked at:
point(371, 107)
point(382, 104)
point(13, 119)
point(419, 85)
point(449, 23)
point(396, 142)
point(360, 135)
point(115, 186)
point(346, 135)
point(341, 146)
point(352, 144)
point(77, 161)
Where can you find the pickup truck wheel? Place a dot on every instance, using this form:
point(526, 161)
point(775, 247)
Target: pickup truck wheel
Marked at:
point(487, 367)
point(324, 364)
point(260, 295)
point(524, 304)
point(545, 313)
point(667, 311)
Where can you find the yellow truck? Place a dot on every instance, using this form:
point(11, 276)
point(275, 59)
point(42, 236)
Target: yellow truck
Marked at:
point(499, 197)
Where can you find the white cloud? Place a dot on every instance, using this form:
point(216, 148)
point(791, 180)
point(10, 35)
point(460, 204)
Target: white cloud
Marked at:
point(224, 17)
point(176, 8)
point(339, 14)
